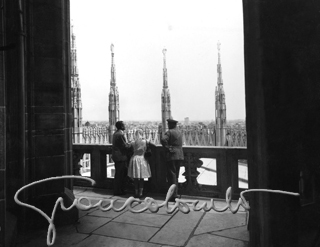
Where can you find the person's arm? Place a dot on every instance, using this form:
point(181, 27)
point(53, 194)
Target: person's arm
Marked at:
point(123, 143)
point(152, 145)
point(165, 140)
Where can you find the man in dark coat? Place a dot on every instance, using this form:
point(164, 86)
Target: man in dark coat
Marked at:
point(172, 142)
point(119, 156)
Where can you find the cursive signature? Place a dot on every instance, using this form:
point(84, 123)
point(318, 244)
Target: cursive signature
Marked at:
point(150, 204)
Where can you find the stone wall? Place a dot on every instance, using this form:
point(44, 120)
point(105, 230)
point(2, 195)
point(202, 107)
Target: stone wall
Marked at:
point(35, 110)
point(281, 41)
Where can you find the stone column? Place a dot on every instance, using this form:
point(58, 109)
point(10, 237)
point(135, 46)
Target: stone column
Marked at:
point(281, 42)
point(3, 214)
point(39, 123)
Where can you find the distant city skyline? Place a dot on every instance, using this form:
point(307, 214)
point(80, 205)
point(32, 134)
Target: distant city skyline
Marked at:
point(159, 121)
point(139, 30)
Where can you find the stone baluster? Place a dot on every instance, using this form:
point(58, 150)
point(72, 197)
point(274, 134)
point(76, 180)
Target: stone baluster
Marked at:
point(84, 133)
point(77, 156)
point(191, 162)
point(91, 136)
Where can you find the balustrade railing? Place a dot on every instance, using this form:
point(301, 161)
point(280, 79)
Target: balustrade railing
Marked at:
point(224, 174)
point(93, 135)
point(236, 137)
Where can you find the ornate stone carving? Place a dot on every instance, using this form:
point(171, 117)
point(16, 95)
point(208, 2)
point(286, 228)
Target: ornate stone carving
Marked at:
point(191, 137)
point(191, 163)
point(77, 156)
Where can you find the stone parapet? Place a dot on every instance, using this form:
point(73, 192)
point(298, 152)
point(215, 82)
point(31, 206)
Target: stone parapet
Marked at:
point(226, 170)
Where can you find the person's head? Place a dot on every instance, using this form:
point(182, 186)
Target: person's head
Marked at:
point(139, 134)
point(172, 123)
point(120, 125)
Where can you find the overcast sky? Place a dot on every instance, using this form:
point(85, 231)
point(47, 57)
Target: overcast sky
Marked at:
point(139, 30)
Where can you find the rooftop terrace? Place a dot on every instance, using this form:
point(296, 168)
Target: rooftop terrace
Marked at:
point(124, 228)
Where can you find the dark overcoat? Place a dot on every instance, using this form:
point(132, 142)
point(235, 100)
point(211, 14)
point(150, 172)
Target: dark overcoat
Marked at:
point(119, 146)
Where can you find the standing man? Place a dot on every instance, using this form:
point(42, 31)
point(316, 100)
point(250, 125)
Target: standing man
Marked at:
point(119, 156)
point(172, 142)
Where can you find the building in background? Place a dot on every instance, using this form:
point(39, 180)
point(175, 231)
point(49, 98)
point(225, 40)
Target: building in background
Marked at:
point(221, 117)
point(76, 103)
point(165, 96)
point(114, 111)
point(186, 121)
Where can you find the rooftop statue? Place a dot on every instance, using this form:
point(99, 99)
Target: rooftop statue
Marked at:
point(164, 51)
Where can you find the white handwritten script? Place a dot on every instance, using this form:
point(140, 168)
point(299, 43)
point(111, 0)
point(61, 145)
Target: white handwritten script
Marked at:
point(150, 204)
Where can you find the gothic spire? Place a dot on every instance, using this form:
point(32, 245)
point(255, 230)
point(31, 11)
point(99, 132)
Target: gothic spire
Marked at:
point(165, 75)
point(218, 45)
point(75, 83)
point(219, 69)
point(165, 96)
point(76, 102)
point(114, 112)
point(74, 68)
point(113, 69)
point(221, 116)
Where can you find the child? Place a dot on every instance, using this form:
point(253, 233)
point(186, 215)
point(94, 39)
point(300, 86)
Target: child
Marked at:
point(139, 168)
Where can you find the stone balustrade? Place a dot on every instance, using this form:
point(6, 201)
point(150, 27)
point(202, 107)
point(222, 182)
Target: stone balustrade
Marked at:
point(236, 137)
point(224, 175)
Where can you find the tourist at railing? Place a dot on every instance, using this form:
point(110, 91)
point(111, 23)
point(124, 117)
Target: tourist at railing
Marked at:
point(172, 142)
point(119, 155)
point(139, 168)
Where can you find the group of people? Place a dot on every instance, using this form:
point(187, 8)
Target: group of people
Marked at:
point(137, 166)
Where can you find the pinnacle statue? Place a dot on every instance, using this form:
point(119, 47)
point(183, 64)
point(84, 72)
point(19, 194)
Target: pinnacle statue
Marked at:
point(221, 117)
point(76, 103)
point(114, 111)
point(165, 96)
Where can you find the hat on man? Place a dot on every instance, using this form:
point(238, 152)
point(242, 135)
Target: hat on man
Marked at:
point(171, 121)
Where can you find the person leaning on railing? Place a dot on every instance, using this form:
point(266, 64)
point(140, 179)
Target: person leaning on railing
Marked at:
point(119, 156)
point(172, 142)
point(139, 167)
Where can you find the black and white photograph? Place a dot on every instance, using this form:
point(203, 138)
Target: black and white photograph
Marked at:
point(159, 123)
